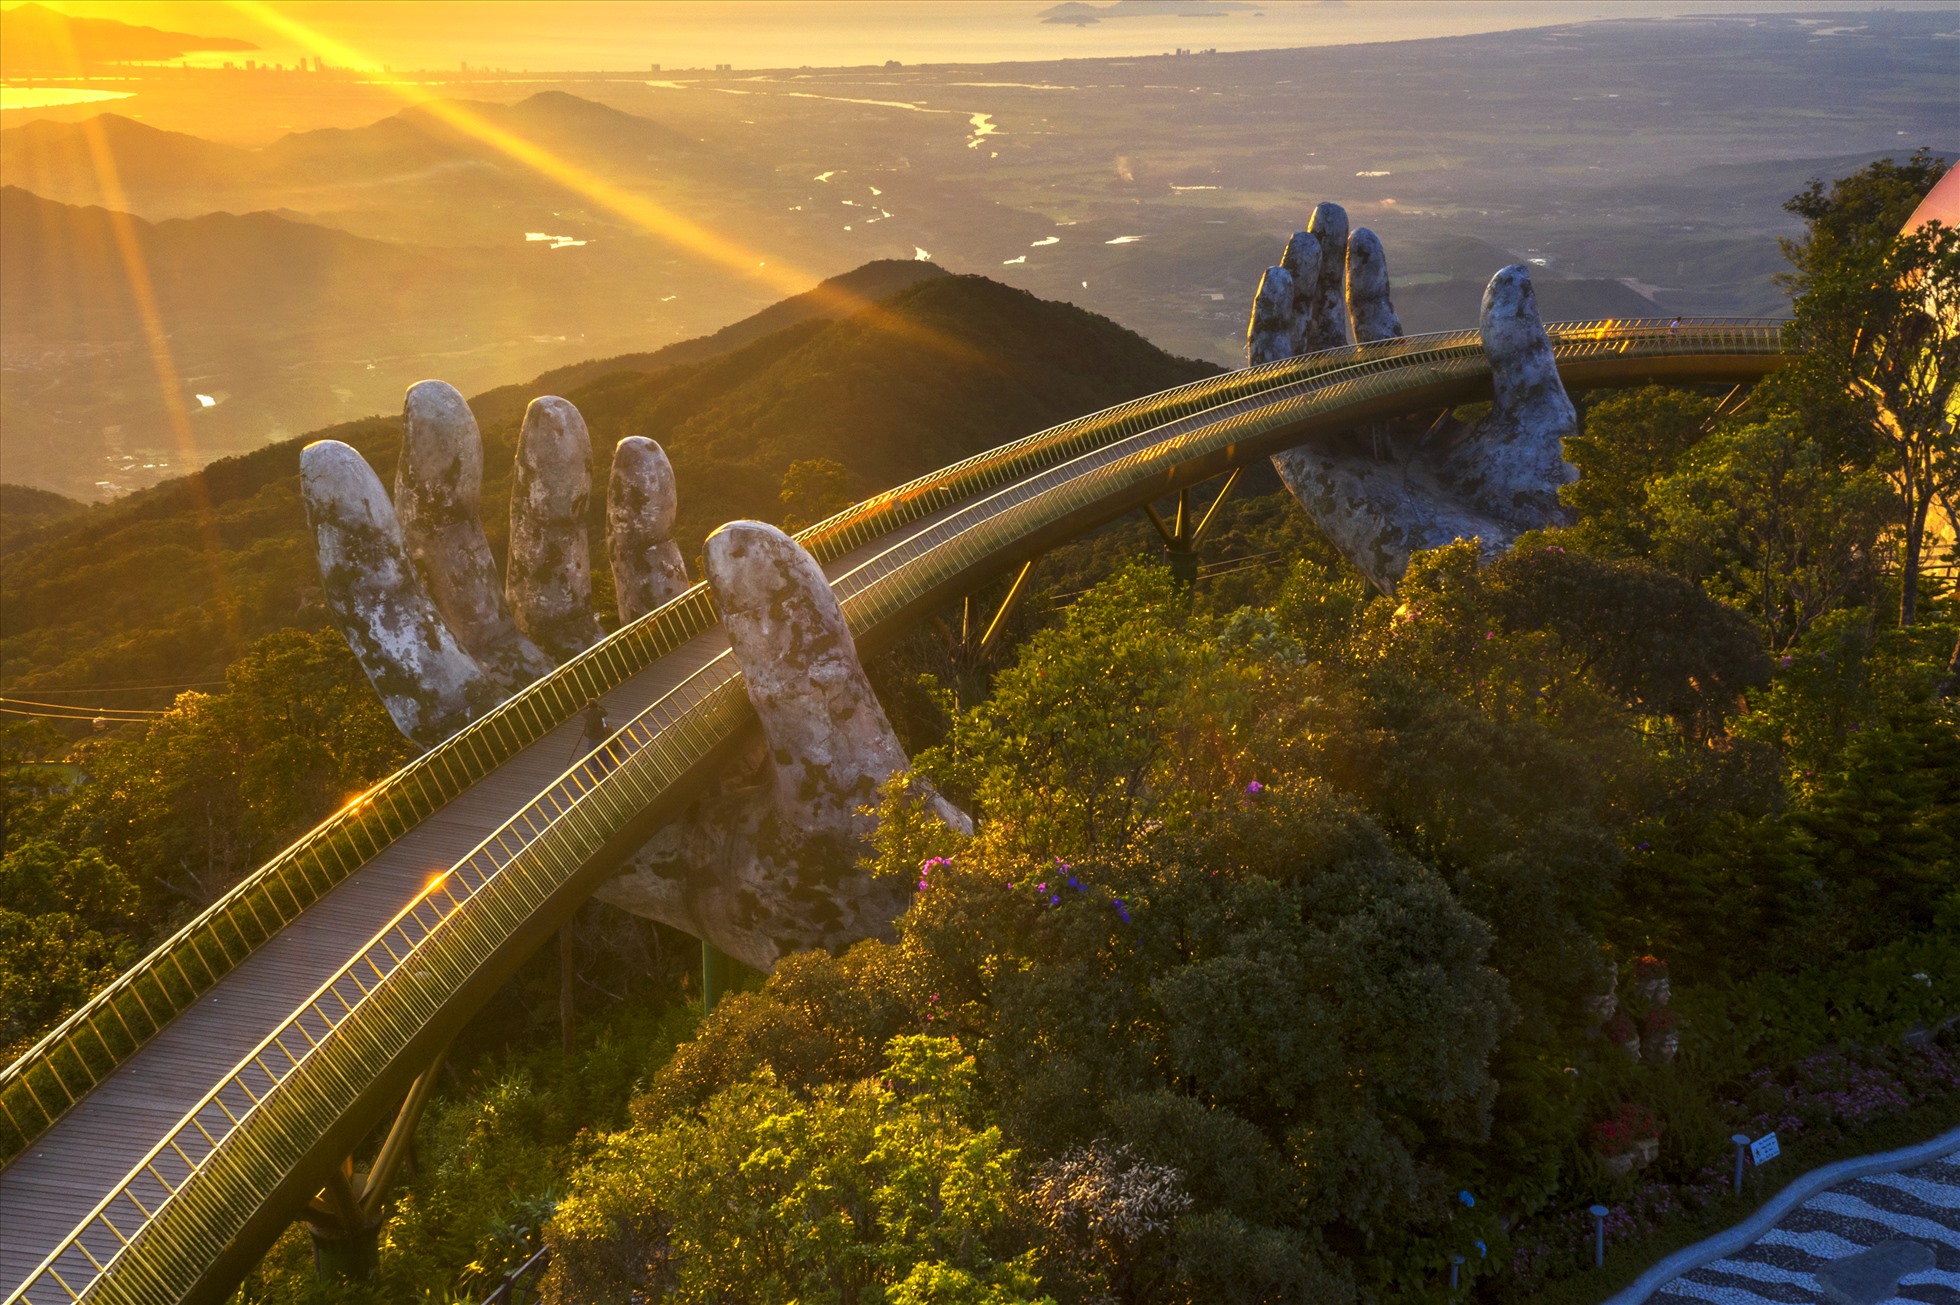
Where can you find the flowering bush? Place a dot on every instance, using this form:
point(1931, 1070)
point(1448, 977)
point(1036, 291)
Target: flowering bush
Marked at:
point(1628, 1127)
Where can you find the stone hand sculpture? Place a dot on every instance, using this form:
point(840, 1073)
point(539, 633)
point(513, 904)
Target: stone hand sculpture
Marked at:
point(1384, 492)
point(768, 862)
point(412, 586)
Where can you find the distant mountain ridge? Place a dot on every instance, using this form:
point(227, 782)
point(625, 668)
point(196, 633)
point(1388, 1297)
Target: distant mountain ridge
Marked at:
point(66, 278)
point(873, 281)
point(167, 173)
point(35, 37)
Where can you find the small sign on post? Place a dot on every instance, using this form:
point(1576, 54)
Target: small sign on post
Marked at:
point(1765, 1148)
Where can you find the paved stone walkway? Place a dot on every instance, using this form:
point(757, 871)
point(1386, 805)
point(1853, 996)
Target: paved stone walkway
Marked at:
point(1884, 1238)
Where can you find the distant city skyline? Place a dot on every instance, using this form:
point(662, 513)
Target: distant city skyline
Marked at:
point(581, 35)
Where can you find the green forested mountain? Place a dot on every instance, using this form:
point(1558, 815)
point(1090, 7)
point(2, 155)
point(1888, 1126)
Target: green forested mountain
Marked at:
point(170, 585)
point(24, 509)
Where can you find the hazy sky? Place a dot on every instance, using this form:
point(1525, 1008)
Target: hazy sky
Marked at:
point(576, 34)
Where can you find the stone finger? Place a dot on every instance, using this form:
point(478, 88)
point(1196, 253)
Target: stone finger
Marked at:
point(1369, 307)
point(1327, 326)
point(549, 579)
point(1269, 335)
point(1302, 262)
point(438, 493)
point(829, 740)
point(642, 502)
point(1513, 466)
point(429, 684)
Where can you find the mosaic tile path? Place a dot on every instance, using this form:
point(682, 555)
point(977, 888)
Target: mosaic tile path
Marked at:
point(1889, 1237)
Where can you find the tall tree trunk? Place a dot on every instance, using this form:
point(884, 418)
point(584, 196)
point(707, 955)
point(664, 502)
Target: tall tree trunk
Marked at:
point(1909, 570)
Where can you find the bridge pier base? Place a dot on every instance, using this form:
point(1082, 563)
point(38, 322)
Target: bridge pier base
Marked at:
point(345, 1218)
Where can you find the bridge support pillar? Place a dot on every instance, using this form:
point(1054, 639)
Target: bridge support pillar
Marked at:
point(714, 976)
point(345, 1218)
point(1186, 531)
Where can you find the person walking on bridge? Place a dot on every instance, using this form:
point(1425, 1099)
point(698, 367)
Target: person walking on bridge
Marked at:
point(597, 730)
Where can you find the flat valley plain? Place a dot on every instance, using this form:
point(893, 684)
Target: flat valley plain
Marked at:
point(1641, 165)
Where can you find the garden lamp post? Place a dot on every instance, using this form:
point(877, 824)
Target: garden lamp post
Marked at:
point(1741, 1141)
point(1599, 1235)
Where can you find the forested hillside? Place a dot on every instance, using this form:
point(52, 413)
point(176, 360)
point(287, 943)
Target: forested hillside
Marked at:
point(171, 585)
point(1310, 943)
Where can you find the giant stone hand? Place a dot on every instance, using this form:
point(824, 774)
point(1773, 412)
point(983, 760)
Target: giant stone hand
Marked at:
point(412, 585)
point(1382, 493)
point(768, 863)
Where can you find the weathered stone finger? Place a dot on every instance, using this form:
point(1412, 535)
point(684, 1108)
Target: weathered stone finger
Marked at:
point(1302, 262)
point(438, 492)
point(1269, 335)
point(425, 679)
point(549, 579)
point(642, 503)
point(1327, 326)
point(1369, 306)
point(771, 862)
point(1513, 468)
point(828, 736)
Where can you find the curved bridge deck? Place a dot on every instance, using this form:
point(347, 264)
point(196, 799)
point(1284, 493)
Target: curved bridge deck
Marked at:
point(162, 1137)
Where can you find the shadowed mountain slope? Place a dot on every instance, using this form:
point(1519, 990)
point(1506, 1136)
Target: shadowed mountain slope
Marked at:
point(168, 585)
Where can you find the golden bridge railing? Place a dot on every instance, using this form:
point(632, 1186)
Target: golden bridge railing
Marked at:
point(253, 1131)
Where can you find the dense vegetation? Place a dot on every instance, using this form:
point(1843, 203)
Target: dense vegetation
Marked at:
point(1309, 937)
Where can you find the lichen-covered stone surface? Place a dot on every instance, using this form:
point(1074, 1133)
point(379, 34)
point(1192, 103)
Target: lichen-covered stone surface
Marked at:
point(1269, 335)
point(1369, 307)
point(549, 578)
point(1302, 262)
point(1328, 328)
point(642, 503)
point(768, 863)
point(1383, 492)
point(438, 492)
point(429, 684)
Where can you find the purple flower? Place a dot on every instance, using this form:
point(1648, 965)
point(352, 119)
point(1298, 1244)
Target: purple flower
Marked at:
point(1075, 883)
point(1254, 789)
point(1787, 660)
point(1054, 900)
point(1122, 911)
point(1466, 1198)
point(1041, 887)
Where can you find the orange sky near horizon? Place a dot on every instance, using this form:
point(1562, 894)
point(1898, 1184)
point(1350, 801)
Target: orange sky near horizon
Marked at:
point(621, 35)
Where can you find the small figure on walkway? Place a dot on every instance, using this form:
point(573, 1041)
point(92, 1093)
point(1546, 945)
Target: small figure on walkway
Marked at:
point(1674, 327)
point(597, 730)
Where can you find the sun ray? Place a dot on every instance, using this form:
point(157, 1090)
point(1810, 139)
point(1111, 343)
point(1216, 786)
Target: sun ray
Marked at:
point(639, 211)
point(170, 383)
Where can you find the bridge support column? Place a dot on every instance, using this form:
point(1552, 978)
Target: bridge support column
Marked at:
point(345, 1218)
point(714, 976)
point(998, 625)
point(567, 989)
point(1186, 531)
